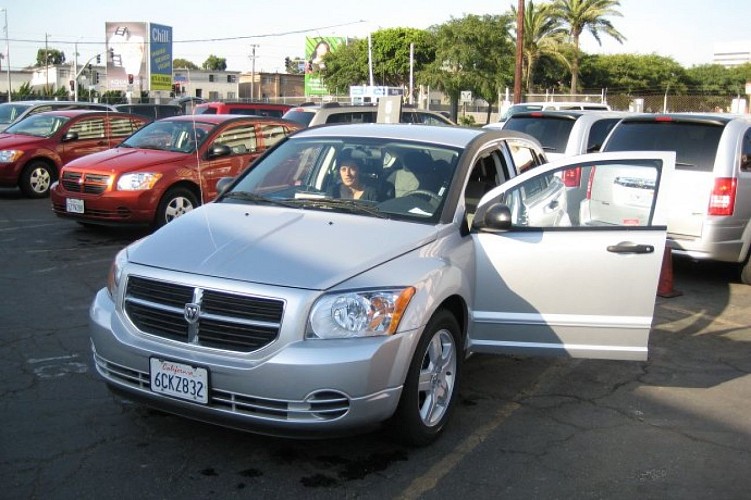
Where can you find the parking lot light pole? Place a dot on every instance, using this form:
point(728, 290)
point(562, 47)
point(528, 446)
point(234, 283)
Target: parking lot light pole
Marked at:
point(7, 53)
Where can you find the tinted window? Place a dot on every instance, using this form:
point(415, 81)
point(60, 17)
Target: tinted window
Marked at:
point(303, 117)
point(551, 132)
point(272, 134)
point(695, 144)
point(598, 132)
point(746, 152)
point(240, 138)
point(352, 117)
point(123, 127)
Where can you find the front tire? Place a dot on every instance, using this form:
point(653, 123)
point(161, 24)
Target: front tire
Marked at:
point(175, 202)
point(430, 389)
point(36, 179)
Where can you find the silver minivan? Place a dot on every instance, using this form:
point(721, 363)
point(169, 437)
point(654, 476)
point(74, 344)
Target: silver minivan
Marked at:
point(311, 298)
point(710, 208)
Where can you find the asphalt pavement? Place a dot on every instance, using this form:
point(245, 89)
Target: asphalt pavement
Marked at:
point(676, 426)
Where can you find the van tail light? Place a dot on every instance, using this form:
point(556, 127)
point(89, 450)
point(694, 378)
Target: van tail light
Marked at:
point(722, 199)
point(590, 181)
point(572, 177)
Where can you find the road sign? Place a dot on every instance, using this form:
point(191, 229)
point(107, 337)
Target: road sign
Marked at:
point(466, 96)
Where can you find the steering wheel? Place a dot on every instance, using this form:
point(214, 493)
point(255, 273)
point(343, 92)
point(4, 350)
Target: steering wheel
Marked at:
point(424, 192)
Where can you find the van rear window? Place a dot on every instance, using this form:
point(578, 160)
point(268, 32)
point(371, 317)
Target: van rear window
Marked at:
point(552, 132)
point(695, 144)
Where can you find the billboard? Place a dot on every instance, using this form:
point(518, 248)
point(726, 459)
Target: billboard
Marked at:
point(315, 49)
point(139, 56)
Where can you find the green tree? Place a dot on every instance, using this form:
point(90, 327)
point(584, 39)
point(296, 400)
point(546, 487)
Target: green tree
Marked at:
point(590, 15)
point(348, 65)
point(49, 56)
point(183, 64)
point(544, 36)
point(472, 53)
point(214, 63)
point(629, 73)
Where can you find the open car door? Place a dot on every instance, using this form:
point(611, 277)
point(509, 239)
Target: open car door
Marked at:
point(569, 256)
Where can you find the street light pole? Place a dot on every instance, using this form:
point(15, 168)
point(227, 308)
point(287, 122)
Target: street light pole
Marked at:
point(252, 69)
point(7, 54)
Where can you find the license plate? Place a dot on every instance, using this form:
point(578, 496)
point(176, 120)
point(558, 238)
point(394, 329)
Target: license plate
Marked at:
point(180, 380)
point(74, 206)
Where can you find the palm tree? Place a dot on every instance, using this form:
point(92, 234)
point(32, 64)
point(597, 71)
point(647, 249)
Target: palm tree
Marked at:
point(579, 15)
point(544, 35)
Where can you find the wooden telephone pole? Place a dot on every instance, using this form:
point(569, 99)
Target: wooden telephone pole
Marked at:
point(519, 52)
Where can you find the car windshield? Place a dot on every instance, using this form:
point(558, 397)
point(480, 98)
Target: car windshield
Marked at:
point(167, 135)
point(41, 125)
point(10, 112)
point(374, 177)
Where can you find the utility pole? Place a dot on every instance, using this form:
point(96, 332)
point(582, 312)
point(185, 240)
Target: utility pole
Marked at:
point(7, 54)
point(519, 52)
point(252, 69)
point(47, 62)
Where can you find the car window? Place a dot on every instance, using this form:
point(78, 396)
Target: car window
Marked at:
point(123, 126)
point(746, 152)
point(598, 132)
point(40, 109)
point(552, 132)
point(695, 144)
point(612, 194)
point(352, 117)
point(89, 128)
point(272, 134)
point(241, 138)
point(303, 117)
point(523, 155)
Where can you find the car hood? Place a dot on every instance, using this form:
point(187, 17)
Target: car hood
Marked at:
point(309, 249)
point(127, 159)
point(19, 141)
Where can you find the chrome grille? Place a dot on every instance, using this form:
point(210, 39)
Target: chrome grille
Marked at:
point(79, 182)
point(226, 321)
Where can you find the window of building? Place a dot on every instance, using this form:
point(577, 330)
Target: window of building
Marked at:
point(231, 78)
point(211, 78)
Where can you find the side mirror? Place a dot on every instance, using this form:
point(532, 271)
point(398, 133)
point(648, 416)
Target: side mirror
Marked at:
point(217, 150)
point(222, 184)
point(496, 217)
point(70, 136)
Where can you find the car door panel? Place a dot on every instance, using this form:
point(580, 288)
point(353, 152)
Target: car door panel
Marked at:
point(548, 287)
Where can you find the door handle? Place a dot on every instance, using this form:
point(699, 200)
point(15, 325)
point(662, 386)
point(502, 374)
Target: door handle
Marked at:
point(629, 247)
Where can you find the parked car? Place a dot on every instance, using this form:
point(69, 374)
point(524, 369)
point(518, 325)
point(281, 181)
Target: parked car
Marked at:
point(566, 133)
point(710, 216)
point(151, 111)
point(33, 150)
point(333, 112)
point(242, 108)
point(526, 107)
point(11, 112)
point(280, 309)
point(166, 169)
point(187, 103)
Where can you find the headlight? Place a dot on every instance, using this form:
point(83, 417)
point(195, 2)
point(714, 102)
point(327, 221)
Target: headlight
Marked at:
point(359, 314)
point(10, 155)
point(116, 273)
point(138, 181)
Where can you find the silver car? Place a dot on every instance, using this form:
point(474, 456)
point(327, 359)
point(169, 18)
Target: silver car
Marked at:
point(283, 309)
point(710, 209)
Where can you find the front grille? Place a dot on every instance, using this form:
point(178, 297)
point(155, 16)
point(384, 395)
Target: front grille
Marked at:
point(222, 320)
point(320, 406)
point(80, 182)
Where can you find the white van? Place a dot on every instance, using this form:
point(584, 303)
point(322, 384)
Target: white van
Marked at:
point(548, 106)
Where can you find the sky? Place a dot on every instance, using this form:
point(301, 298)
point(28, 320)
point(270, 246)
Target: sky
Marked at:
point(685, 30)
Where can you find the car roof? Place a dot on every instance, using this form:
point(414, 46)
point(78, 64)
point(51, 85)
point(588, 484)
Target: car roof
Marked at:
point(72, 113)
point(454, 136)
point(573, 114)
point(248, 104)
point(720, 118)
point(221, 118)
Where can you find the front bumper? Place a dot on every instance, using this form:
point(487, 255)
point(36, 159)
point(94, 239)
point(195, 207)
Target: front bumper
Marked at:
point(304, 388)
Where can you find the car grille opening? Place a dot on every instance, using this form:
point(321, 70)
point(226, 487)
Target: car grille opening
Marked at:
point(79, 182)
point(221, 320)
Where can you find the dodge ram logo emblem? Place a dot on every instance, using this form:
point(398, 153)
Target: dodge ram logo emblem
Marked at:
point(192, 312)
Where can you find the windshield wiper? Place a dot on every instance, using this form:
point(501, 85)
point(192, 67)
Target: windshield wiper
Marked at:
point(353, 206)
point(257, 198)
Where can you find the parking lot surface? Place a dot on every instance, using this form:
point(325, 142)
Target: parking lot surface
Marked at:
point(676, 426)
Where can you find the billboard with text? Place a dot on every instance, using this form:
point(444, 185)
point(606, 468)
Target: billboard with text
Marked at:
point(315, 50)
point(139, 56)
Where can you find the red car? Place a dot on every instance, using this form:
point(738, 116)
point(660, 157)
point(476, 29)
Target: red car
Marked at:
point(33, 150)
point(167, 168)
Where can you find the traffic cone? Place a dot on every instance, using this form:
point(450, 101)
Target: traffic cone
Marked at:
point(665, 287)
